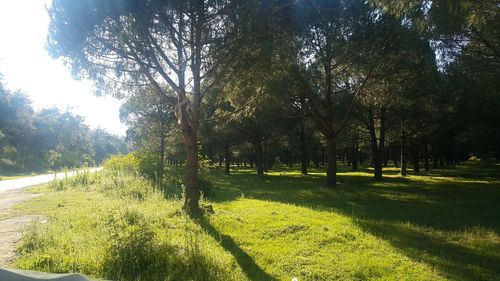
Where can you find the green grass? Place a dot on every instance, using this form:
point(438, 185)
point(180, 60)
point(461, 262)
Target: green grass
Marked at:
point(441, 226)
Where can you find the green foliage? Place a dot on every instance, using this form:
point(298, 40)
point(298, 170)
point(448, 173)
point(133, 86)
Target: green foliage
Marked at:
point(80, 179)
point(123, 163)
point(105, 145)
point(144, 163)
point(48, 139)
point(148, 163)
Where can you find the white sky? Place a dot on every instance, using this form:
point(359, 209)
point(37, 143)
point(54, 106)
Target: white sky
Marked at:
point(26, 65)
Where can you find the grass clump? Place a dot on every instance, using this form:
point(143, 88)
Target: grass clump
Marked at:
point(121, 228)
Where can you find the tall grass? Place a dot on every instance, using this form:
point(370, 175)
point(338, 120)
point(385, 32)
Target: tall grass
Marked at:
point(117, 225)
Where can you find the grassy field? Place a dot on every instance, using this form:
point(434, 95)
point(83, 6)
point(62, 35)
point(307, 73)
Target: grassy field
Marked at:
point(441, 226)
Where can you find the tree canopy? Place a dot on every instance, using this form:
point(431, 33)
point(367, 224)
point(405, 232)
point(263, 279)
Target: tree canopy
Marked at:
point(263, 82)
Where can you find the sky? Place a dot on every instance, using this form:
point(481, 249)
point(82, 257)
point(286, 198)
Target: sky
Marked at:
point(26, 65)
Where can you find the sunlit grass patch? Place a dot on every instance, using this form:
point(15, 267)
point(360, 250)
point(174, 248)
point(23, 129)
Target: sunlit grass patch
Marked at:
point(289, 240)
point(423, 227)
point(122, 236)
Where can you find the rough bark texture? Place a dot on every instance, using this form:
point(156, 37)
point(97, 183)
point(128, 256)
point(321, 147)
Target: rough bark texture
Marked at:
point(377, 144)
point(191, 191)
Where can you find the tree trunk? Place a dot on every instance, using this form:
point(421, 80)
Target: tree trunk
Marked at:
point(322, 155)
point(377, 165)
point(415, 155)
point(259, 158)
point(377, 145)
point(227, 159)
point(191, 191)
point(331, 171)
point(303, 150)
point(404, 172)
point(265, 157)
point(375, 150)
point(355, 154)
point(303, 166)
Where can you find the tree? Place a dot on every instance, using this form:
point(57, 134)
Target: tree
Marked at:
point(16, 129)
point(130, 42)
point(105, 144)
point(404, 82)
point(149, 123)
point(330, 38)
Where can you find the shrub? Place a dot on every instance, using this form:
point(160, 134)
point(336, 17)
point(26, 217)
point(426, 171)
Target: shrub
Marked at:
point(126, 185)
point(81, 179)
point(147, 164)
point(123, 163)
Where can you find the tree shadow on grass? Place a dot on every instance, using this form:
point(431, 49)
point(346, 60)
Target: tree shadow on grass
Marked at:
point(246, 262)
point(456, 261)
point(438, 204)
point(455, 201)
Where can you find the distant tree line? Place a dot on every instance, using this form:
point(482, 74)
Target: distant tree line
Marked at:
point(412, 84)
point(48, 139)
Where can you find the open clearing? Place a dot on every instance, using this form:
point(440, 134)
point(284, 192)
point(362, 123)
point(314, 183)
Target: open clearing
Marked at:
point(442, 226)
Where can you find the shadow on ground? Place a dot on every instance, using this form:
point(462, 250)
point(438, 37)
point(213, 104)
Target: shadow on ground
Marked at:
point(246, 262)
point(444, 201)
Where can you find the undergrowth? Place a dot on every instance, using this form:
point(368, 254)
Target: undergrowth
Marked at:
point(116, 225)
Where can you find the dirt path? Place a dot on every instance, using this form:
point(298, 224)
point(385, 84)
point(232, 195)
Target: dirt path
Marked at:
point(11, 227)
point(30, 181)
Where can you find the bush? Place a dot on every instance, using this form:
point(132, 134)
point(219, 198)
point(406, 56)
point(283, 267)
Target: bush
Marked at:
point(123, 163)
point(143, 162)
point(126, 185)
point(81, 179)
point(148, 164)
